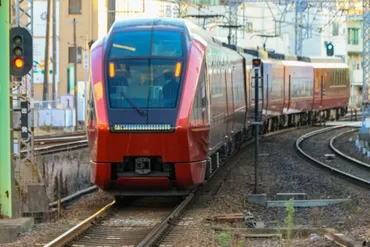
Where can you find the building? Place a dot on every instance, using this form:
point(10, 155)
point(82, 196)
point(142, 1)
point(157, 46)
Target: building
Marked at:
point(354, 49)
point(84, 12)
point(261, 23)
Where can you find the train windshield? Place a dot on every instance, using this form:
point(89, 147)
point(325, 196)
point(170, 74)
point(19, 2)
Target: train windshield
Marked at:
point(144, 69)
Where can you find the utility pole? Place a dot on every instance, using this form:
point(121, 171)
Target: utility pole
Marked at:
point(6, 174)
point(75, 73)
point(111, 16)
point(54, 47)
point(45, 95)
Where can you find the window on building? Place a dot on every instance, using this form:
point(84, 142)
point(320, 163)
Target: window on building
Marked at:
point(335, 29)
point(249, 27)
point(353, 36)
point(75, 7)
point(71, 55)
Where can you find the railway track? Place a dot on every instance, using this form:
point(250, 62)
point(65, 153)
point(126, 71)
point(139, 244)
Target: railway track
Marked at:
point(119, 223)
point(318, 147)
point(58, 143)
point(61, 147)
point(128, 224)
point(60, 139)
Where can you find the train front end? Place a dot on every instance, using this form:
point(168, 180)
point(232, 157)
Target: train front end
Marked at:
point(143, 80)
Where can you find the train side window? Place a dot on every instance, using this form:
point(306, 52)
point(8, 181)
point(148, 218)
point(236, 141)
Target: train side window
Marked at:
point(199, 112)
point(91, 104)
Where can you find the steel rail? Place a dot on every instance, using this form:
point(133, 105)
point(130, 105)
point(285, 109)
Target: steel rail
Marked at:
point(331, 144)
point(60, 135)
point(332, 169)
point(59, 147)
point(74, 196)
point(163, 226)
point(60, 139)
point(79, 228)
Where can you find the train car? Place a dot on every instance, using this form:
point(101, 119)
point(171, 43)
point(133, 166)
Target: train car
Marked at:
point(332, 86)
point(166, 105)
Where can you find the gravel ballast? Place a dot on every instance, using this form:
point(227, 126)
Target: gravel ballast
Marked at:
point(282, 170)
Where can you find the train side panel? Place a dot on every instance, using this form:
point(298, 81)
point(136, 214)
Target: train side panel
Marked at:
point(218, 108)
point(299, 83)
point(332, 89)
point(276, 92)
point(239, 96)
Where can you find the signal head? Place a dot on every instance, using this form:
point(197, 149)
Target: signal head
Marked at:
point(18, 51)
point(18, 63)
point(256, 62)
point(21, 51)
point(329, 49)
point(18, 40)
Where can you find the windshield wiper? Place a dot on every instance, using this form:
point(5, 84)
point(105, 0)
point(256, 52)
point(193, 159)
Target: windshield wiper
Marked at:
point(138, 109)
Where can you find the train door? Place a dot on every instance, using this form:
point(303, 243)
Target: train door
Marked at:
point(266, 87)
point(289, 91)
point(248, 99)
point(231, 101)
point(246, 90)
point(318, 78)
point(322, 89)
point(228, 102)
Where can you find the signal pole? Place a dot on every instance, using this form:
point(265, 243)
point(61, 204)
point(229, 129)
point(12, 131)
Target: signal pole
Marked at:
point(6, 174)
point(256, 67)
point(75, 73)
point(54, 48)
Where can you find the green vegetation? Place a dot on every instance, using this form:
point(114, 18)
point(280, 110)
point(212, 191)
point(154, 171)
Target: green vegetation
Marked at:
point(289, 207)
point(224, 238)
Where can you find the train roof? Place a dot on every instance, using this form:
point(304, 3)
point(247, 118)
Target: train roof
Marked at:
point(326, 60)
point(284, 57)
point(296, 63)
point(194, 31)
point(329, 65)
point(150, 22)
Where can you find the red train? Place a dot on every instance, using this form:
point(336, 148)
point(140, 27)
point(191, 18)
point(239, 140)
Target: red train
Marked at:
point(168, 103)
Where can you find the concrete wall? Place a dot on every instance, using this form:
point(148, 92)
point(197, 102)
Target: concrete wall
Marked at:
point(65, 173)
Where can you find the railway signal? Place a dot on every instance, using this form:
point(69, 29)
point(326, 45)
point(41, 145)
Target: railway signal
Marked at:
point(256, 66)
point(256, 63)
point(21, 53)
point(329, 49)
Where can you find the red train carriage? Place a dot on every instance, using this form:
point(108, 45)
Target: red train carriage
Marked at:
point(162, 105)
point(168, 103)
point(332, 87)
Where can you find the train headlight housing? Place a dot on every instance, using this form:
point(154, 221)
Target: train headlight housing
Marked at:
point(142, 128)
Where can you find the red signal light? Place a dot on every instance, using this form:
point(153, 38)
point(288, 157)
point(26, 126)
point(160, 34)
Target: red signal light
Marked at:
point(18, 63)
point(256, 62)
